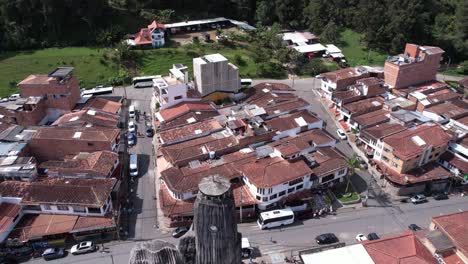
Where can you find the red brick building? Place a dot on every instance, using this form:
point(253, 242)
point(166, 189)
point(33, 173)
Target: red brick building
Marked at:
point(59, 88)
point(54, 143)
point(24, 111)
point(417, 65)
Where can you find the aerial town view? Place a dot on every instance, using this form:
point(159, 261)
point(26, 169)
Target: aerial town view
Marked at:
point(234, 131)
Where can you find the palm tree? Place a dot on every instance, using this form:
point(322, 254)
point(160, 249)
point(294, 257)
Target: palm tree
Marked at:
point(353, 165)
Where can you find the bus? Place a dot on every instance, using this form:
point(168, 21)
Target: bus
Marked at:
point(246, 83)
point(98, 90)
point(276, 218)
point(144, 81)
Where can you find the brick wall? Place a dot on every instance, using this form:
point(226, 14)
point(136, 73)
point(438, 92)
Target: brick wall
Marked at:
point(58, 95)
point(33, 117)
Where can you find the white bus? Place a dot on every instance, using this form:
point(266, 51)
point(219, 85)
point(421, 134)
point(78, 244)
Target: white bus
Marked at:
point(247, 83)
point(276, 218)
point(144, 81)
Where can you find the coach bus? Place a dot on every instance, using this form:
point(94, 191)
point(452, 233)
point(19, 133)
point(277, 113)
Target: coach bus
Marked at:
point(144, 81)
point(275, 218)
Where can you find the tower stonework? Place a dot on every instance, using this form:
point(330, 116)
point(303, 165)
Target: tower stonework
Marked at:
point(216, 237)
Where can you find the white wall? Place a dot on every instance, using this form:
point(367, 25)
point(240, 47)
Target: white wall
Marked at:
point(293, 132)
point(326, 85)
point(54, 210)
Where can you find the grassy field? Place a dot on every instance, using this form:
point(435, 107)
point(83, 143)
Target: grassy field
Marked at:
point(159, 61)
point(356, 53)
point(346, 197)
point(14, 67)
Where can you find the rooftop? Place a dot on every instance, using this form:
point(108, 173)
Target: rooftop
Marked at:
point(292, 145)
point(373, 118)
point(293, 120)
point(269, 172)
point(190, 131)
point(427, 173)
point(61, 72)
point(455, 226)
point(103, 105)
point(400, 102)
point(453, 109)
point(365, 105)
point(99, 164)
point(8, 212)
point(185, 107)
point(85, 192)
point(343, 74)
point(89, 117)
point(412, 142)
point(78, 133)
point(402, 249)
point(327, 160)
point(354, 254)
point(214, 58)
point(383, 130)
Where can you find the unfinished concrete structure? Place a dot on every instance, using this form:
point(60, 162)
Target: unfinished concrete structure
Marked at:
point(216, 237)
point(155, 252)
point(213, 73)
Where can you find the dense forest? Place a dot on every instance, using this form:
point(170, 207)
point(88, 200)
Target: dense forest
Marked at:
point(386, 24)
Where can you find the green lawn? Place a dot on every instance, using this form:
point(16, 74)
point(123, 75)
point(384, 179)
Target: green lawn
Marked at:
point(452, 71)
point(159, 61)
point(356, 53)
point(15, 66)
point(346, 197)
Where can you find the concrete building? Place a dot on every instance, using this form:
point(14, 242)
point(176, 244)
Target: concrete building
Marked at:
point(417, 65)
point(215, 76)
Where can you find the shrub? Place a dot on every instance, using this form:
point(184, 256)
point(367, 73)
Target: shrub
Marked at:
point(12, 83)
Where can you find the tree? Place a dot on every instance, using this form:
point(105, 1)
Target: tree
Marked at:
point(330, 33)
point(265, 12)
point(353, 165)
point(289, 13)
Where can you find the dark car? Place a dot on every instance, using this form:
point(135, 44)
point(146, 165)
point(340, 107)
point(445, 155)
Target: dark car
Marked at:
point(53, 253)
point(131, 139)
point(373, 236)
point(149, 131)
point(180, 231)
point(414, 227)
point(440, 196)
point(327, 238)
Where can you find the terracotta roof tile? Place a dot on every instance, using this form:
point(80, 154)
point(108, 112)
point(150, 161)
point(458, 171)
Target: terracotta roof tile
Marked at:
point(96, 118)
point(103, 105)
point(293, 120)
point(383, 130)
point(33, 226)
point(96, 164)
point(341, 74)
point(269, 172)
point(69, 133)
point(401, 249)
point(8, 212)
point(427, 173)
point(455, 226)
point(410, 143)
point(185, 107)
point(454, 109)
point(372, 118)
point(273, 87)
point(190, 131)
point(85, 192)
point(292, 145)
point(327, 160)
point(364, 106)
point(287, 106)
point(89, 223)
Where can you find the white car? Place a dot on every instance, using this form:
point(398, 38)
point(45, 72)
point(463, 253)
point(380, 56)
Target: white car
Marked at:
point(341, 134)
point(131, 127)
point(14, 97)
point(83, 247)
point(361, 237)
point(419, 198)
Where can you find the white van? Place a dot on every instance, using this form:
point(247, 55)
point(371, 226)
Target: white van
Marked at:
point(133, 165)
point(131, 111)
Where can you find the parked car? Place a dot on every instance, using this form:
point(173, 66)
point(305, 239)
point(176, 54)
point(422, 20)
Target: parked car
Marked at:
point(131, 139)
point(327, 238)
point(4, 100)
point(373, 236)
point(414, 227)
point(149, 130)
point(131, 127)
point(180, 231)
point(83, 247)
point(341, 134)
point(440, 196)
point(362, 163)
point(418, 198)
point(14, 97)
point(361, 237)
point(53, 253)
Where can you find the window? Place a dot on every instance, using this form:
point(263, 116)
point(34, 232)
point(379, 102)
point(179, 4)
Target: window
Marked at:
point(258, 198)
point(273, 196)
point(328, 178)
point(386, 150)
point(342, 171)
point(194, 192)
point(294, 182)
point(90, 144)
point(93, 210)
point(62, 207)
point(265, 199)
point(396, 157)
point(299, 187)
point(32, 207)
point(385, 159)
point(16, 218)
point(178, 97)
point(290, 190)
point(394, 164)
point(282, 193)
point(270, 190)
point(46, 207)
point(79, 209)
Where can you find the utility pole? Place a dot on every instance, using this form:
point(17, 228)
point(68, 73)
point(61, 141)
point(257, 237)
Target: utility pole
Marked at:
point(241, 205)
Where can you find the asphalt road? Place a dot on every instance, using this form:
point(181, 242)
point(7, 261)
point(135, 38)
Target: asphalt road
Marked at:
point(383, 217)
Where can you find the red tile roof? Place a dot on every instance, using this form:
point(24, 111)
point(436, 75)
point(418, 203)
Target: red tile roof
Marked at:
point(383, 130)
point(8, 212)
point(455, 226)
point(427, 173)
point(190, 131)
point(85, 192)
point(364, 106)
point(455, 161)
point(281, 87)
point(287, 106)
point(77, 134)
point(401, 249)
point(292, 145)
point(341, 74)
point(327, 160)
point(103, 105)
point(291, 121)
point(96, 164)
point(89, 223)
point(453, 109)
point(407, 144)
point(185, 107)
point(372, 118)
point(82, 118)
point(269, 172)
point(36, 79)
point(34, 226)
point(144, 35)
